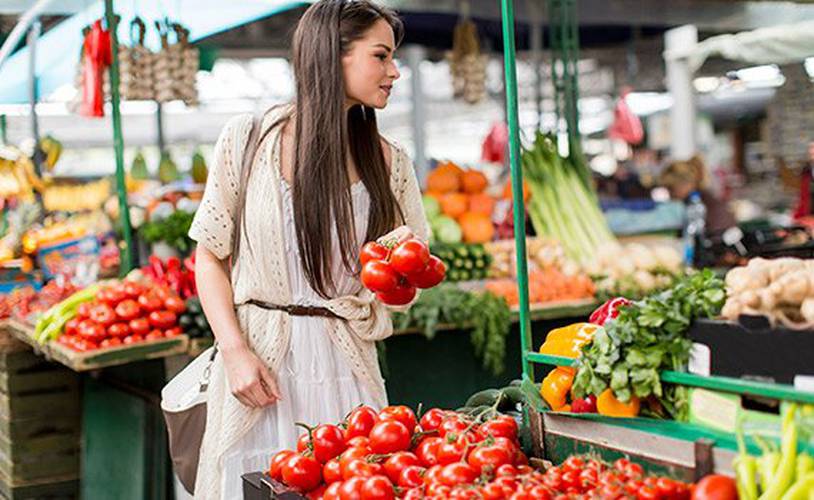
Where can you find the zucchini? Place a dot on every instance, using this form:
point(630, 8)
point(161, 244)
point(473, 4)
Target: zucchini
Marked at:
point(193, 332)
point(516, 383)
point(200, 321)
point(186, 320)
point(194, 306)
point(487, 397)
point(514, 396)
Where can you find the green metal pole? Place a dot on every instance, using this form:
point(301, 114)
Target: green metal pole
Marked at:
point(517, 183)
point(3, 131)
point(118, 143)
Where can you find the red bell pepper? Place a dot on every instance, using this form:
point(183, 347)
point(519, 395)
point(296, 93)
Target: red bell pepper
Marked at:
point(608, 311)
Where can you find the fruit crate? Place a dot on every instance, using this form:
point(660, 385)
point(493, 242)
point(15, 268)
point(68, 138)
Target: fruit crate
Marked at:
point(40, 424)
point(260, 486)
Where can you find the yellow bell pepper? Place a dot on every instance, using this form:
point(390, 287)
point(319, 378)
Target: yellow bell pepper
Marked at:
point(568, 340)
point(608, 405)
point(556, 386)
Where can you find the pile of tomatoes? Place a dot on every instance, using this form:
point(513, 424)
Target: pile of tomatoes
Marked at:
point(388, 454)
point(396, 273)
point(125, 312)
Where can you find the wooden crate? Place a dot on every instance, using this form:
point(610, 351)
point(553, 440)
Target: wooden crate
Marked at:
point(40, 425)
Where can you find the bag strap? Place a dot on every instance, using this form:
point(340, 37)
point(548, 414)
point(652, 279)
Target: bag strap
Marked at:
point(249, 154)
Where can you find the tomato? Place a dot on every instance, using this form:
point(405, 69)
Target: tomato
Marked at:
point(103, 314)
point(570, 479)
point(458, 473)
point(413, 494)
point(410, 257)
point(373, 251)
point(438, 490)
point(361, 422)
point(715, 487)
point(83, 311)
point(431, 420)
point(389, 436)
point(139, 326)
point(427, 451)
point(588, 478)
point(71, 326)
point(611, 492)
point(540, 493)
point(89, 330)
point(118, 330)
point(488, 458)
point(402, 294)
point(175, 304)
point(352, 489)
point(332, 471)
point(432, 275)
point(411, 476)
point(506, 470)
point(621, 463)
point(553, 481)
point(574, 462)
point(132, 339)
point(149, 302)
point(304, 443)
point(83, 345)
point(332, 491)
point(352, 454)
point(317, 493)
point(397, 462)
point(162, 319)
point(451, 452)
point(154, 335)
point(277, 461)
point(132, 289)
point(633, 486)
point(401, 414)
point(433, 474)
point(492, 491)
point(379, 276)
point(112, 342)
point(501, 426)
point(649, 493)
point(66, 340)
point(110, 296)
point(329, 442)
point(361, 468)
point(453, 425)
point(362, 441)
point(378, 488)
point(173, 332)
point(128, 309)
point(633, 470)
point(302, 473)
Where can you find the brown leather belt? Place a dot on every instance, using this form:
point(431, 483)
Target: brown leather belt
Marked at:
point(294, 309)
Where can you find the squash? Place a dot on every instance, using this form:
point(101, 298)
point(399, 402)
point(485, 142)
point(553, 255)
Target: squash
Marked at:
point(481, 203)
point(507, 191)
point(434, 194)
point(450, 168)
point(443, 181)
point(477, 228)
point(454, 204)
point(473, 182)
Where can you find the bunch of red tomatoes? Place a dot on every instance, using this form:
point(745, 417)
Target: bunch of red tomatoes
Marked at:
point(124, 313)
point(389, 454)
point(396, 273)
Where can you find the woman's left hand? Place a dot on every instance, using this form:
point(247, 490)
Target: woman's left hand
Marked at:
point(400, 234)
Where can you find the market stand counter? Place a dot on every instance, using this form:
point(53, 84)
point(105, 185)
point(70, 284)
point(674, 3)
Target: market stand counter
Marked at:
point(118, 409)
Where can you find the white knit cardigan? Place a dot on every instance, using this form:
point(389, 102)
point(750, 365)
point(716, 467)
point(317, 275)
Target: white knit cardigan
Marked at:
point(261, 274)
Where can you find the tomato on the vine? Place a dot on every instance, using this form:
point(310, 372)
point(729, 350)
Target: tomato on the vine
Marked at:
point(373, 251)
point(501, 426)
point(332, 471)
point(379, 276)
point(332, 491)
point(397, 462)
point(401, 295)
point(452, 424)
point(449, 452)
point(427, 450)
point(488, 458)
point(362, 441)
point(128, 309)
point(401, 414)
point(410, 257)
point(361, 468)
point(378, 488)
point(301, 472)
point(360, 422)
point(352, 454)
point(304, 442)
point(351, 489)
point(411, 476)
point(328, 442)
point(433, 274)
point(431, 420)
point(458, 473)
point(389, 436)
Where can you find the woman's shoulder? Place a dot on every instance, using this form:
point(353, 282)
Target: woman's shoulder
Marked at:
point(395, 156)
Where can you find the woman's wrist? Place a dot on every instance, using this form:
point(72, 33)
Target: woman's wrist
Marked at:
point(232, 345)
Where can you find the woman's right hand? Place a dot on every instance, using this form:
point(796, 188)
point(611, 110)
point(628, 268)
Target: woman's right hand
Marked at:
point(249, 378)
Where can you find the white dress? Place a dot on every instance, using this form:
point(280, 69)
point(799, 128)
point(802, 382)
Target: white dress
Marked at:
point(316, 381)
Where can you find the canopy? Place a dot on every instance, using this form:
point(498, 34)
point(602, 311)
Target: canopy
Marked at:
point(58, 49)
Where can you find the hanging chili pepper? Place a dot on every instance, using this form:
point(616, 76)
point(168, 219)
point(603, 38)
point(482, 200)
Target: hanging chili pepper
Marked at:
point(97, 57)
point(608, 311)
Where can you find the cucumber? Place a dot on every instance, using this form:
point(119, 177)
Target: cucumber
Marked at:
point(194, 306)
point(516, 383)
point(462, 251)
point(200, 321)
point(487, 397)
point(193, 332)
point(513, 397)
point(186, 320)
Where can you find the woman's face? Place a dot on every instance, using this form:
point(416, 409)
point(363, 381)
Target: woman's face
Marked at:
point(369, 68)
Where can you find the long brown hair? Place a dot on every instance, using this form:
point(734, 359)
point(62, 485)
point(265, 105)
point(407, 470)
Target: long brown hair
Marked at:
point(324, 134)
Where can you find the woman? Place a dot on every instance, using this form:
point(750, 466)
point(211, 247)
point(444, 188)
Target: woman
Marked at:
point(323, 182)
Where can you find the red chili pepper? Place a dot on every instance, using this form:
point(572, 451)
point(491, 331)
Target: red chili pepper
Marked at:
point(158, 267)
point(608, 311)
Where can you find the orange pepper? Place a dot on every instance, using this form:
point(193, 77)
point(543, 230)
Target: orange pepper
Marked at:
point(568, 340)
point(556, 385)
point(607, 404)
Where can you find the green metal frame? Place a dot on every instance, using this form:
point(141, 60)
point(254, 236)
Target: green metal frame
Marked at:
point(127, 261)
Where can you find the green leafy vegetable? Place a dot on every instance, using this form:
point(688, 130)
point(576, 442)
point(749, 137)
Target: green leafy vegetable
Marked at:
point(648, 337)
point(487, 315)
point(172, 230)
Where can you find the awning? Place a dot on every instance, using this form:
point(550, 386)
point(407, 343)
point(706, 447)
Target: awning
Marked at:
point(58, 49)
